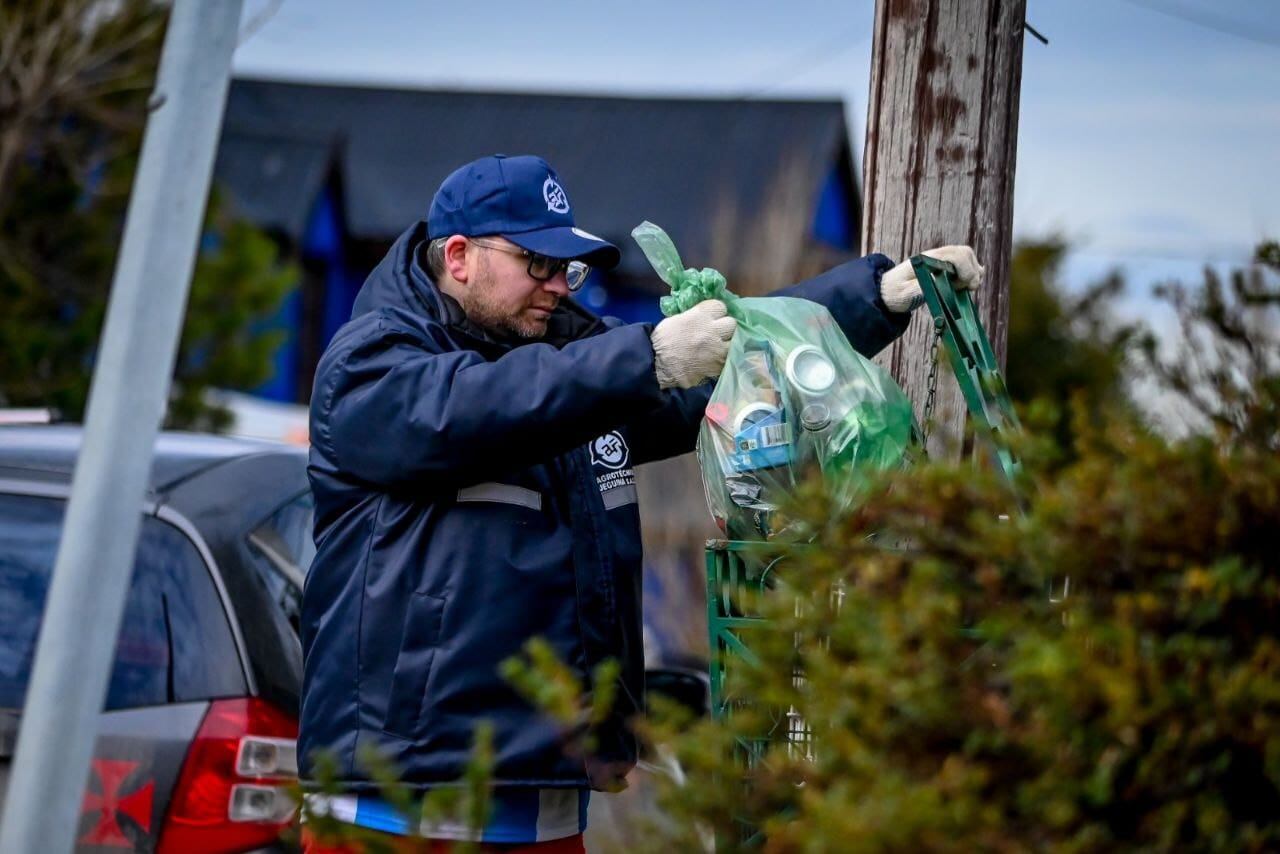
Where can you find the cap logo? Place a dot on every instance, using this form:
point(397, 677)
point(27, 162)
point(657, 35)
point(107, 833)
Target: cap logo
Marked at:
point(554, 195)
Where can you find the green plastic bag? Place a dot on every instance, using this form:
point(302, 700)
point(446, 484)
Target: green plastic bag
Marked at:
point(794, 395)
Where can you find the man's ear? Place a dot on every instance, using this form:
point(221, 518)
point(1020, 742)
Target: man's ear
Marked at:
point(455, 258)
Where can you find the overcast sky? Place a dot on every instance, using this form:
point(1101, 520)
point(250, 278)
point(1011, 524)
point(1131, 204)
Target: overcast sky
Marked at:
point(1149, 131)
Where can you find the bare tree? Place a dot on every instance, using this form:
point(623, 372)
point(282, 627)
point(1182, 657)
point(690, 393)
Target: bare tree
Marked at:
point(66, 63)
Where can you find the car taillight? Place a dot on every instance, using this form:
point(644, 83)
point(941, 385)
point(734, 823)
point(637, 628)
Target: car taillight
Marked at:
point(231, 794)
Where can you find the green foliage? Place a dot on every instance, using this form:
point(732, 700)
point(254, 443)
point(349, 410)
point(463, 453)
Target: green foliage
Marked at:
point(71, 120)
point(552, 686)
point(1063, 347)
point(957, 700)
point(466, 805)
point(239, 282)
point(542, 678)
point(1227, 372)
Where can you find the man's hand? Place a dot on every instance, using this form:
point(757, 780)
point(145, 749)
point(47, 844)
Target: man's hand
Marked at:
point(901, 292)
point(691, 347)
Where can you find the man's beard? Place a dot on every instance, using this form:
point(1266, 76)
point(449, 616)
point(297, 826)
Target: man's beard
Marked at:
point(482, 309)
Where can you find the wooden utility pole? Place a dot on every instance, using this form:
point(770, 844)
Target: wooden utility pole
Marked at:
point(942, 132)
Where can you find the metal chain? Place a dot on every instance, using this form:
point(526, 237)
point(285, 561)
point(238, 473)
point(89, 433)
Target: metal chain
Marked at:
point(933, 379)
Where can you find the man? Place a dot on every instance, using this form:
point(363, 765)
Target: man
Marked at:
point(469, 425)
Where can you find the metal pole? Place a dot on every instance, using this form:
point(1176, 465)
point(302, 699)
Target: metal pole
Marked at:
point(126, 403)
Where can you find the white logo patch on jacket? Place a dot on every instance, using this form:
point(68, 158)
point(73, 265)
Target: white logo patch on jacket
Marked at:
point(610, 451)
point(609, 462)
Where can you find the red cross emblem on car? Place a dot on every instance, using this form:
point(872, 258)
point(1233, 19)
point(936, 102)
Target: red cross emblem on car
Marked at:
point(111, 803)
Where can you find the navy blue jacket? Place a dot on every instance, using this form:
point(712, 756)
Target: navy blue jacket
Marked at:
point(472, 493)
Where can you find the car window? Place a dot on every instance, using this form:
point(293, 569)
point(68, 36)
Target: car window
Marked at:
point(175, 643)
point(282, 548)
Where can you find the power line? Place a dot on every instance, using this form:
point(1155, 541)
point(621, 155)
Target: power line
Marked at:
point(1040, 37)
point(1208, 22)
point(827, 51)
point(817, 56)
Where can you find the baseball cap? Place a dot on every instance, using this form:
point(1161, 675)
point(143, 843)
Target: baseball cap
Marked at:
point(521, 199)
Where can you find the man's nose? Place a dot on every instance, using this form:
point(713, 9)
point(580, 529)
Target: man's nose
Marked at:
point(558, 284)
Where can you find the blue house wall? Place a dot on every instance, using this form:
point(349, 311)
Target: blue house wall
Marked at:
point(835, 218)
point(322, 247)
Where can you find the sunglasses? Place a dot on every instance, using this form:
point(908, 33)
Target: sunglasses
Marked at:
point(542, 268)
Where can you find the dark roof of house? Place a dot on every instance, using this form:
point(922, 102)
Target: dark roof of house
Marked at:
point(674, 161)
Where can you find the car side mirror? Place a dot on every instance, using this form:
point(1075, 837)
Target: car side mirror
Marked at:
point(684, 685)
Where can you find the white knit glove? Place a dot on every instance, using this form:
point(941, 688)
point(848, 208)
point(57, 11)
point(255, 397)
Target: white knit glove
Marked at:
point(691, 347)
point(901, 292)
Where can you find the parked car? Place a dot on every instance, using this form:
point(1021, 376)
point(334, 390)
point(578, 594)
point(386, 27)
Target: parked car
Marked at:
point(197, 736)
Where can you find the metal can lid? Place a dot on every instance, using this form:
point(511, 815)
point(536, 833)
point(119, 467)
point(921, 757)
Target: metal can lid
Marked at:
point(815, 417)
point(809, 369)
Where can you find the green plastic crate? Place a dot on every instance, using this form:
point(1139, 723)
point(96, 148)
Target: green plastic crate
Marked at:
point(738, 573)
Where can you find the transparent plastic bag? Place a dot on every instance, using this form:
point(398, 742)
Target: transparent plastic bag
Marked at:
point(794, 395)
